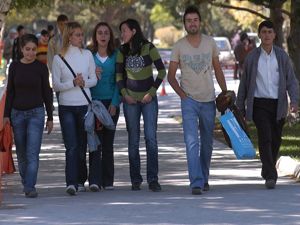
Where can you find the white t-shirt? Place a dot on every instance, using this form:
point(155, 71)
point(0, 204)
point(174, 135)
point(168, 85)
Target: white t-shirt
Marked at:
point(196, 67)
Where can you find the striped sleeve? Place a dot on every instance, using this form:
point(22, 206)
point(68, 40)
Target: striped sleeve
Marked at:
point(157, 61)
point(120, 68)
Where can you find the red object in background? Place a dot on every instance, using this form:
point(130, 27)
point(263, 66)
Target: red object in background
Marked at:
point(163, 89)
point(6, 141)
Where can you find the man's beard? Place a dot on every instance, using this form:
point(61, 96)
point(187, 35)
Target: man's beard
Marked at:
point(192, 31)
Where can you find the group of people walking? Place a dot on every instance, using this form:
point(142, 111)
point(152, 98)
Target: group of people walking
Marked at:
point(125, 74)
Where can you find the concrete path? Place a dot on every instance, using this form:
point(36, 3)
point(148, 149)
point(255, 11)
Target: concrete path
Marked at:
point(237, 194)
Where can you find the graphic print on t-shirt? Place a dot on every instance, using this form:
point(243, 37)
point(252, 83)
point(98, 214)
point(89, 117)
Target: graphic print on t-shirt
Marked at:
point(199, 63)
point(135, 63)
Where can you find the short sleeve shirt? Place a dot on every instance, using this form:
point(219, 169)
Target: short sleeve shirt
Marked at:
point(196, 67)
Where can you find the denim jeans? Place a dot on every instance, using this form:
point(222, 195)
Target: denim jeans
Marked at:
point(101, 162)
point(75, 140)
point(198, 125)
point(28, 128)
point(132, 113)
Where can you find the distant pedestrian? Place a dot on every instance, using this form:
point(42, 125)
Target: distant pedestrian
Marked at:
point(50, 30)
point(267, 79)
point(73, 104)
point(106, 90)
point(8, 44)
point(24, 108)
point(42, 49)
point(16, 49)
point(196, 54)
point(55, 43)
point(241, 51)
point(138, 87)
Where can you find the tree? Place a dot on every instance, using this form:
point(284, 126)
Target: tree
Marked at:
point(294, 37)
point(4, 8)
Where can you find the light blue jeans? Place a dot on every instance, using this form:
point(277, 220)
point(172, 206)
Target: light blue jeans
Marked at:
point(198, 125)
point(28, 128)
point(133, 114)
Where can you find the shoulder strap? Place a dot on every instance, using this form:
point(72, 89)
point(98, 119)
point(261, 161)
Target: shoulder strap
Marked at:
point(74, 75)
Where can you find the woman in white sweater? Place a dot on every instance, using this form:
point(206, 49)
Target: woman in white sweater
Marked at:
point(72, 102)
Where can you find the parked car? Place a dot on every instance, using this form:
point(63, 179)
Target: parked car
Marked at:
point(226, 57)
point(254, 37)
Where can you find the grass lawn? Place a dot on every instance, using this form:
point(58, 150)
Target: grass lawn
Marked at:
point(290, 139)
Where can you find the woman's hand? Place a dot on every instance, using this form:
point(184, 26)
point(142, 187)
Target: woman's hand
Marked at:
point(112, 110)
point(6, 120)
point(79, 81)
point(146, 99)
point(98, 72)
point(49, 126)
point(129, 99)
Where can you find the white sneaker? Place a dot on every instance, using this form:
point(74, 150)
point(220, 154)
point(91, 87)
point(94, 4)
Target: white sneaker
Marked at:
point(94, 188)
point(81, 188)
point(71, 190)
point(110, 188)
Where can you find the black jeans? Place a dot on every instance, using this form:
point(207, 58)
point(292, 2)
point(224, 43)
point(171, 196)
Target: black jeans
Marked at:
point(102, 161)
point(269, 131)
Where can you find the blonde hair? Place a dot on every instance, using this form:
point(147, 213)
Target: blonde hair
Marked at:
point(68, 31)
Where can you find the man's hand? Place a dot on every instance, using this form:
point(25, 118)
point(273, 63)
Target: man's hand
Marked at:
point(294, 108)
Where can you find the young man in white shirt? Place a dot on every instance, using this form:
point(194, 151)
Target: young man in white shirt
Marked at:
point(196, 54)
point(262, 97)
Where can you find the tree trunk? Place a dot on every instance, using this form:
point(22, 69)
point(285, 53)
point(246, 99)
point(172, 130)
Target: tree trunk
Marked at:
point(277, 18)
point(294, 37)
point(4, 8)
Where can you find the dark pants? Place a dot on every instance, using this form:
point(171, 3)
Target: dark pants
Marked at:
point(102, 161)
point(269, 131)
point(75, 140)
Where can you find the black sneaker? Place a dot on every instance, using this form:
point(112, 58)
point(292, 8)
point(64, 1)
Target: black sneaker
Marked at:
point(71, 190)
point(270, 184)
point(31, 194)
point(154, 186)
point(206, 187)
point(136, 186)
point(196, 191)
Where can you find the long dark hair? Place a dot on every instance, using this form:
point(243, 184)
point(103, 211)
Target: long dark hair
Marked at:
point(137, 40)
point(111, 44)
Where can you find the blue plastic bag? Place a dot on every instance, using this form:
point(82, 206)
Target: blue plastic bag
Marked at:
point(241, 144)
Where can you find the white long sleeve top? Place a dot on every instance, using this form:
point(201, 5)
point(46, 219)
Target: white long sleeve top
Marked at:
point(81, 61)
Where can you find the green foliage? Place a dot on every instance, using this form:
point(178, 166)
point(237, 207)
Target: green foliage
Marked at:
point(26, 4)
point(160, 17)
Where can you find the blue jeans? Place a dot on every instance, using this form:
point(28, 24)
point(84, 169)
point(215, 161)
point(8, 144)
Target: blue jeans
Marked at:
point(198, 125)
point(132, 113)
point(28, 128)
point(75, 140)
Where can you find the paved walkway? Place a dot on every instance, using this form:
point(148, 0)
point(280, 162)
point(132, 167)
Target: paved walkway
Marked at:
point(237, 194)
